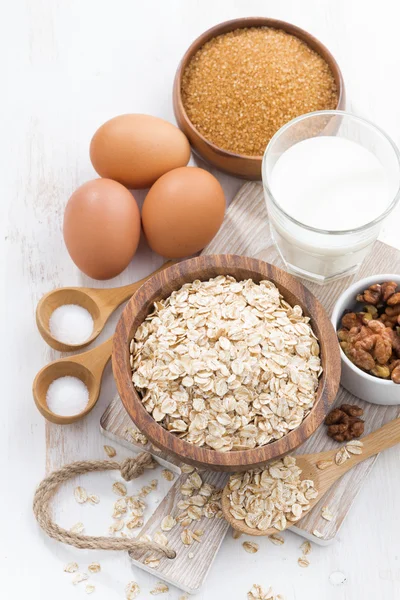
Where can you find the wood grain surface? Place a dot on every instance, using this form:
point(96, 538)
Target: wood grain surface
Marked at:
point(205, 267)
point(67, 68)
point(253, 239)
point(381, 439)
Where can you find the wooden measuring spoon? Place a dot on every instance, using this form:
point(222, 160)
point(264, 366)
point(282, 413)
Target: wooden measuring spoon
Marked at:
point(88, 366)
point(385, 437)
point(101, 303)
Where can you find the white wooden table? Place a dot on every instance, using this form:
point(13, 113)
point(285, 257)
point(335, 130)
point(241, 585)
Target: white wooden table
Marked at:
point(68, 66)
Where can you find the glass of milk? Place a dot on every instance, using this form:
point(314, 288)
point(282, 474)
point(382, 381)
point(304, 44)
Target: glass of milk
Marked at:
point(330, 179)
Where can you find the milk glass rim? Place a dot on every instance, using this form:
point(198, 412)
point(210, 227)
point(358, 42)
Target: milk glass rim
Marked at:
point(319, 113)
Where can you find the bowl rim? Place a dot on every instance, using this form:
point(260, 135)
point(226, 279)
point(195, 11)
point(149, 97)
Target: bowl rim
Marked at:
point(241, 23)
point(338, 309)
point(174, 277)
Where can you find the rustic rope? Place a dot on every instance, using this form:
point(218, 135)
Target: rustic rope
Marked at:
point(130, 468)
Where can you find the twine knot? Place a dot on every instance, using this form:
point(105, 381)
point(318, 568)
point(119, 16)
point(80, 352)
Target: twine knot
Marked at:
point(131, 468)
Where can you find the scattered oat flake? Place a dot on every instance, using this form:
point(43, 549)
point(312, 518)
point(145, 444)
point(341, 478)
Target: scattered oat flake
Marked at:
point(89, 589)
point(306, 548)
point(324, 464)
point(77, 528)
point(326, 513)
point(110, 451)
point(317, 533)
point(341, 456)
point(152, 562)
point(71, 567)
point(78, 577)
point(303, 562)
point(80, 494)
point(159, 588)
point(138, 437)
point(354, 447)
point(117, 526)
point(119, 488)
point(94, 567)
point(250, 547)
point(190, 555)
point(93, 499)
point(160, 538)
point(183, 598)
point(168, 523)
point(187, 537)
point(187, 468)
point(168, 475)
point(337, 578)
point(132, 590)
point(257, 593)
point(154, 484)
point(276, 539)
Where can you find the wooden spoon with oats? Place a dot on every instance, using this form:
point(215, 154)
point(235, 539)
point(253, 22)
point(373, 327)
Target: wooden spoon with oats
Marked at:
point(271, 499)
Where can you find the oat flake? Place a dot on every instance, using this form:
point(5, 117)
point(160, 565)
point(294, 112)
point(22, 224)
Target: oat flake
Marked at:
point(250, 547)
point(77, 528)
point(110, 451)
point(94, 567)
point(80, 495)
point(159, 588)
point(78, 577)
point(132, 590)
point(71, 567)
point(119, 488)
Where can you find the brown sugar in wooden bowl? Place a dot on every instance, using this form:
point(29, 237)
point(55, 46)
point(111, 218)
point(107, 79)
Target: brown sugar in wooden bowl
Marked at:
point(243, 164)
point(160, 286)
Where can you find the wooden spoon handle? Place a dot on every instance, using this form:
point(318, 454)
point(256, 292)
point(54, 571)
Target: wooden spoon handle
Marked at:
point(109, 299)
point(381, 439)
point(96, 359)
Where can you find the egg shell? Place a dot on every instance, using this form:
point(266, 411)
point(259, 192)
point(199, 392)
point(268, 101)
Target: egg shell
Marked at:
point(101, 228)
point(183, 211)
point(136, 150)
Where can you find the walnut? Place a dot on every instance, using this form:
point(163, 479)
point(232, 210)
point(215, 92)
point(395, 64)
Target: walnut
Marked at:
point(351, 319)
point(393, 311)
point(394, 300)
point(381, 371)
point(371, 338)
point(352, 410)
point(395, 375)
point(388, 288)
point(372, 295)
point(344, 423)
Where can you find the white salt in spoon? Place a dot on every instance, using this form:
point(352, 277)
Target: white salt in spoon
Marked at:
point(88, 367)
point(100, 303)
point(381, 439)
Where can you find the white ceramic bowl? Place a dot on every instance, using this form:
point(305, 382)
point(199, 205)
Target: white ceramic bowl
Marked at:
point(361, 384)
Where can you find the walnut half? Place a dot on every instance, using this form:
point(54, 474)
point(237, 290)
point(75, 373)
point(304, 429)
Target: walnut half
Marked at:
point(344, 423)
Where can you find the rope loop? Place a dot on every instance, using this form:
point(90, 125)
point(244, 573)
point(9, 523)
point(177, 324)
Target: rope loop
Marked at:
point(130, 469)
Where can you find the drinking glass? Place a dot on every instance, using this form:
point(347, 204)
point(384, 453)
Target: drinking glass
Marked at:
point(316, 254)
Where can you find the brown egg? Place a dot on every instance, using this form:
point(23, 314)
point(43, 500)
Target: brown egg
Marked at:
point(183, 211)
point(101, 228)
point(137, 149)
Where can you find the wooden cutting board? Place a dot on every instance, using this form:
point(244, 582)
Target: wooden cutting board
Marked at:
point(245, 231)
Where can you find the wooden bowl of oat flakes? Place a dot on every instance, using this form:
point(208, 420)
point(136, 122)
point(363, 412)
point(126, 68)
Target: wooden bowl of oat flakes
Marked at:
point(225, 361)
point(242, 80)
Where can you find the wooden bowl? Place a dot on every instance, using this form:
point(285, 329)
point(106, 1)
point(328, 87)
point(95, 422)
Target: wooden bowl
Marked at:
point(204, 267)
point(246, 167)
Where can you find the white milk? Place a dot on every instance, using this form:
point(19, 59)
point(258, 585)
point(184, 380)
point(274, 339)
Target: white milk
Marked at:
point(329, 183)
